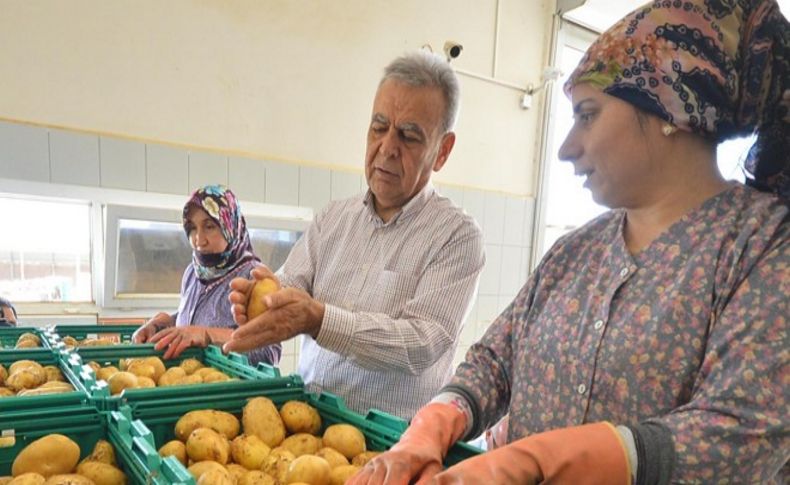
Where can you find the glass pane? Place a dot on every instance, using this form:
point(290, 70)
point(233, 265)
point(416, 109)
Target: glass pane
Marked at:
point(46, 257)
point(152, 257)
point(273, 245)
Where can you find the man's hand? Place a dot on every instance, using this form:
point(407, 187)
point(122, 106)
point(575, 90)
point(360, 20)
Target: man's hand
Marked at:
point(160, 321)
point(177, 339)
point(242, 288)
point(291, 312)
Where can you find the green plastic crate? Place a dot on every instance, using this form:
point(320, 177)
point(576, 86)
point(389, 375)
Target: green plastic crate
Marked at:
point(381, 430)
point(234, 365)
point(120, 334)
point(141, 464)
point(29, 407)
point(9, 336)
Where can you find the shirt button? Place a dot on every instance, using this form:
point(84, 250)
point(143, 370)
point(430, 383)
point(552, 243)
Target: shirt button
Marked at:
point(598, 324)
point(624, 272)
point(581, 389)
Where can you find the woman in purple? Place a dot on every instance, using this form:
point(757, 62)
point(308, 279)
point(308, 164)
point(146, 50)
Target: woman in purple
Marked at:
point(221, 251)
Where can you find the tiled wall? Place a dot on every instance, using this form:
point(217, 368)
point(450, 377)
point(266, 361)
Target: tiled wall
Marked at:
point(65, 157)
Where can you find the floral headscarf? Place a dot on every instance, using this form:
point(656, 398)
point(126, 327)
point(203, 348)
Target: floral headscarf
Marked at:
point(221, 205)
point(714, 67)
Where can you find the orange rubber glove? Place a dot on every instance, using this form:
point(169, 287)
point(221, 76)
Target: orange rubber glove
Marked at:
point(591, 454)
point(419, 454)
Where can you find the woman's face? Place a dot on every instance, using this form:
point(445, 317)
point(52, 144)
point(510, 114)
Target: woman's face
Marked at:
point(612, 148)
point(205, 235)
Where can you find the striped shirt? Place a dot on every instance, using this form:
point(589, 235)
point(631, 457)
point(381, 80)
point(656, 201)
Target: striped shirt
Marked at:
point(396, 296)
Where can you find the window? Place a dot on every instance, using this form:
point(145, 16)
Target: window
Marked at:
point(45, 251)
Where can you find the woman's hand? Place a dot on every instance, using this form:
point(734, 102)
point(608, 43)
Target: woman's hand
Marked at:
point(160, 321)
point(177, 339)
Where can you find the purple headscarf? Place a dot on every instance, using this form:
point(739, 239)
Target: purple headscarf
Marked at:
point(719, 68)
point(221, 205)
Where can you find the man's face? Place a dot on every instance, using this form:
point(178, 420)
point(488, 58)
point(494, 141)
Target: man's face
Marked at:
point(405, 143)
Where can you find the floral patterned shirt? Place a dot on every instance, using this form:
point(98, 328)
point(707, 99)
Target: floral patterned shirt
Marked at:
point(689, 333)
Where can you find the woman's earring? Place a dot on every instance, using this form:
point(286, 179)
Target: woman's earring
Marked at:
point(668, 129)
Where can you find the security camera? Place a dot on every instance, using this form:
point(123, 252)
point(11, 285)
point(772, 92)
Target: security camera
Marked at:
point(452, 49)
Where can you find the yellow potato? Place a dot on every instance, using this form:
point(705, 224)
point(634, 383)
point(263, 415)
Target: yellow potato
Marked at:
point(6, 480)
point(106, 372)
point(332, 456)
point(171, 376)
point(277, 462)
point(345, 438)
point(157, 364)
point(363, 458)
point(187, 380)
point(69, 479)
point(24, 364)
point(205, 444)
point(191, 365)
point(120, 381)
point(94, 365)
point(70, 341)
point(26, 344)
point(249, 451)
point(29, 336)
point(103, 452)
point(141, 369)
point(53, 387)
point(53, 373)
point(96, 342)
point(28, 479)
point(198, 469)
point(6, 392)
point(174, 448)
point(145, 382)
point(300, 417)
point(101, 473)
point(260, 417)
point(216, 477)
point(339, 475)
point(302, 444)
point(309, 469)
point(236, 471)
point(50, 455)
point(256, 477)
point(223, 423)
point(255, 304)
point(3, 374)
point(26, 378)
point(205, 370)
point(215, 376)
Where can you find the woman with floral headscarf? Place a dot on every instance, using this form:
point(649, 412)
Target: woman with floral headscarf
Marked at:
point(221, 251)
point(650, 345)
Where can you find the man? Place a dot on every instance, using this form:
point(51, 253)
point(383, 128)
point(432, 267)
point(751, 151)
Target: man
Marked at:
point(380, 284)
point(8, 316)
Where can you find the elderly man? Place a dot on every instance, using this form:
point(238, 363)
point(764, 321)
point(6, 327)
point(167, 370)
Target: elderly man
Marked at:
point(380, 283)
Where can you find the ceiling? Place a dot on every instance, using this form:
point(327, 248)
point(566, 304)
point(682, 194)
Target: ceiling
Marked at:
point(599, 15)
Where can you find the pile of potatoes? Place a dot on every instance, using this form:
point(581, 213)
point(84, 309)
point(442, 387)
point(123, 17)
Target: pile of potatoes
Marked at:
point(29, 378)
point(53, 460)
point(151, 372)
point(28, 341)
point(71, 342)
point(276, 447)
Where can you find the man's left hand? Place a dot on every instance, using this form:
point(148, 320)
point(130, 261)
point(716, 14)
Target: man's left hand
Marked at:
point(291, 312)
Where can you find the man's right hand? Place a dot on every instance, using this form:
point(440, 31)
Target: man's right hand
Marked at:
point(159, 322)
point(241, 292)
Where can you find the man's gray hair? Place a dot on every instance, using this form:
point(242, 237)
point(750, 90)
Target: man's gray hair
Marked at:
point(423, 68)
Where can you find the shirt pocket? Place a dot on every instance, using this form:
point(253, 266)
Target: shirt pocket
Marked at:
point(391, 292)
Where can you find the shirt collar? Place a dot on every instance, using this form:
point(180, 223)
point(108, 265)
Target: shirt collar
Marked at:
point(412, 207)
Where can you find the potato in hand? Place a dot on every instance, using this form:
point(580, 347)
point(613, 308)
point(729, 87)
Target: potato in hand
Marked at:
point(255, 304)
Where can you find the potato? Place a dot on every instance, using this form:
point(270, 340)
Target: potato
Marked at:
point(26, 344)
point(198, 469)
point(94, 365)
point(363, 458)
point(141, 369)
point(96, 342)
point(332, 456)
point(50, 455)
point(302, 444)
point(216, 477)
point(121, 381)
point(300, 417)
point(70, 341)
point(205, 370)
point(29, 336)
point(28, 479)
point(345, 438)
point(53, 387)
point(3, 374)
point(215, 376)
point(69, 479)
point(277, 462)
point(23, 364)
point(339, 475)
point(256, 477)
point(205, 444)
point(255, 304)
point(6, 392)
point(101, 473)
point(7, 441)
point(26, 378)
point(260, 417)
point(105, 373)
point(188, 380)
point(53, 373)
point(236, 471)
point(191, 365)
point(309, 469)
point(5, 480)
point(145, 382)
point(223, 423)
point(103, 452)
point(249, 451)
point(174, 448)
point(171, 376)
point(157, 364)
